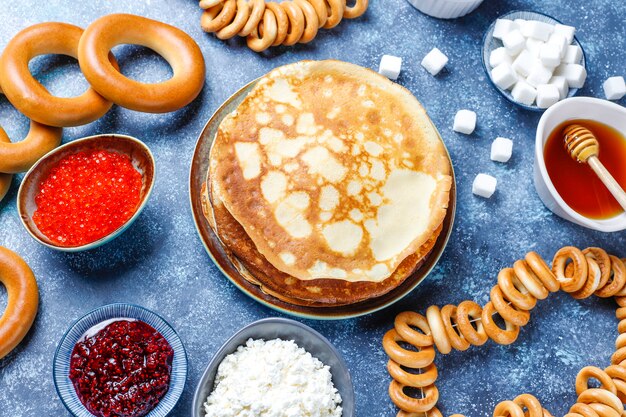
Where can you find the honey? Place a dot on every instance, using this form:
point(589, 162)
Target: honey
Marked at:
point(576, 182)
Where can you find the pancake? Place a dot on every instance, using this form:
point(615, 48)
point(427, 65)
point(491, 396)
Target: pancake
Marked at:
point(333, 173)
point(255, 268)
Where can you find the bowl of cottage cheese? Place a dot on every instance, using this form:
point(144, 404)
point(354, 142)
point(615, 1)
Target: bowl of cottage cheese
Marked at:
point(275, 368)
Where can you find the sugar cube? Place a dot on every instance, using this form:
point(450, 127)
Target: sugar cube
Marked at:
point(390, 66)
point(523, 63)
point(539, 30)
point(522, 25)
point(614, 88)
point(503, 76)
point(514, 42)
point(561, 84)
point(550, 55)
point(567, 31)
point(434, 61)
point(464, 122)
point(574, 74)
point(573, 54)
point(484, 185)
point(503, 26)
point(559, 42)
point(539, 74)
point(547, 95)
point(498, 56)
point(501, 150)
point(524, 93)
point(534, 46)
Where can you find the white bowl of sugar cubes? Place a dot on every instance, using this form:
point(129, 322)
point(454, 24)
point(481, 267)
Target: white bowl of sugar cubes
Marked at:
point(533, 59)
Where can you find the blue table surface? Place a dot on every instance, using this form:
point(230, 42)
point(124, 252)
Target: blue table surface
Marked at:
point(161, 264)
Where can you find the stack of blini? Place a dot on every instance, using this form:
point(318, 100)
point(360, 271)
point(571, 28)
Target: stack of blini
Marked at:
point(328, 185)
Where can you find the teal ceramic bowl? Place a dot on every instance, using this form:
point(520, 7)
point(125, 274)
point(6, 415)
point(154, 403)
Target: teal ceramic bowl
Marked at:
point(139, 154)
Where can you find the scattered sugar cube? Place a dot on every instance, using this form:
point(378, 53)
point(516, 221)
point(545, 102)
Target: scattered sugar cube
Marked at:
point(547, 95)
point(550, 55)
point(523, 63)
point(514, 42)
point(503, 26)
point(484, 185)
point(524, 93)
point(559, 42)
point(390, 66)
point(464, 122)
point(434, 61)
point(539, 74)
point(614, 88)
point(534, 46)
point(498, 56)
point(567, 31)
point(501, 150)
point(561, 84)
point(575, 74)
point(573, 54)
point(539, 30)
point(504, 76)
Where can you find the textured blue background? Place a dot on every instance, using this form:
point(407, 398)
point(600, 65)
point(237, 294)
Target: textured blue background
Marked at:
point(160, 263)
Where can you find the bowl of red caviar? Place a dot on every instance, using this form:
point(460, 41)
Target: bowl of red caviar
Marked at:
point(120, 360)
point(87, 192)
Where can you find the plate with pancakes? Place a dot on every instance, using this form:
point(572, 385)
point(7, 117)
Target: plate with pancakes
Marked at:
point(323, 190)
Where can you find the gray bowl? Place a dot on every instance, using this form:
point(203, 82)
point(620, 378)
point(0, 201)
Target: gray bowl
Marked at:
point(273, 328)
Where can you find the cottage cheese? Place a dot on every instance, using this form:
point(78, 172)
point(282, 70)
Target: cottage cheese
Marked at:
point(274, 378)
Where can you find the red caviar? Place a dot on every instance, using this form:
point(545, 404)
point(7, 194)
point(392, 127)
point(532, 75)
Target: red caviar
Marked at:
point(86, 196)
point(123, 370)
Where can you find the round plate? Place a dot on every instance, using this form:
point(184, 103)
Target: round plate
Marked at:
point(61, 363)
point(198, 175)
point(490, 43)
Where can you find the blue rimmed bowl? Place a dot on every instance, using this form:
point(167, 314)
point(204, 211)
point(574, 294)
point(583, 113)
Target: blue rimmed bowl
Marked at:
point(101, 316)
point(278, 328)
point(490, 43)
point(139, 154)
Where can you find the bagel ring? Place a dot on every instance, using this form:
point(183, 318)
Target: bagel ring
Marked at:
point(5, 184)
point(178, 49)
point(22, 303)
point(20, 156)
point(5, 179)
point(28, 95)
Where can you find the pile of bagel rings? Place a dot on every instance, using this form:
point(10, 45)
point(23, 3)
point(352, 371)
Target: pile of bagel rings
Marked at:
point(270, 23)
point(48, 114)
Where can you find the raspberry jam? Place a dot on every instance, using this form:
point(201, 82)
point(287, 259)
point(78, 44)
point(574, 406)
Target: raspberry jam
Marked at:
point(86, 196)
point(123, 370)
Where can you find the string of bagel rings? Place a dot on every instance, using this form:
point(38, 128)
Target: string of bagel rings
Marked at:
point(581, 273)
point(92, 47)
point(271, 23)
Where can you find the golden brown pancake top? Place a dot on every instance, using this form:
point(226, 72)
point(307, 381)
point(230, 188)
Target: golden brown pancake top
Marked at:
point(332, 170)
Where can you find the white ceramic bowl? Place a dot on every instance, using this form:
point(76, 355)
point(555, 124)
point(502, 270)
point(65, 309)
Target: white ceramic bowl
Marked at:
point(602, 111)
point(446, 9)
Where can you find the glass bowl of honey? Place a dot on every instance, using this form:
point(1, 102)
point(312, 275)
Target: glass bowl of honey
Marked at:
point(569, 188)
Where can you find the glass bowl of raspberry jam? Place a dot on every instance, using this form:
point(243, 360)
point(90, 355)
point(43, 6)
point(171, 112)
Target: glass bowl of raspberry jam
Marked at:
point(120, 360)
point(87, 192)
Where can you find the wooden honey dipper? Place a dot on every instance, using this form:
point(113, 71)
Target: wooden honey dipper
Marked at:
point(583, 147)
